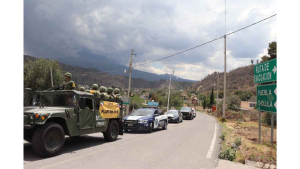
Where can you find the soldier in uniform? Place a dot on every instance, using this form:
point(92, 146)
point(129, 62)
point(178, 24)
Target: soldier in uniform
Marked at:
point(82, 89)
point(68, 84)
point(95, 91)
point(117, 94)
point(110, 93)
point(103, 93)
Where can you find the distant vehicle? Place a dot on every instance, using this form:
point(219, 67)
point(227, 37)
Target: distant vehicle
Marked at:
point(54, 114)
point(174, 116)
point(194, 112)
point(146, 119)
point(187, 113)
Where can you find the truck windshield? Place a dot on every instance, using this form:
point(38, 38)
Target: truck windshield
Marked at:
point(54, 99)
point(185, 109)
point(172, 112)
point(142, 112)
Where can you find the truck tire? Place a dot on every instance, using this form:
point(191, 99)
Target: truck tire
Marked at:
point(150, 128)
point(165, 126)
point(47, 140)
point(191, 117)
point(112, 131)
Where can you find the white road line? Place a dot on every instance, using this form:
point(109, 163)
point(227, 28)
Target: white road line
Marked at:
point(212, 145)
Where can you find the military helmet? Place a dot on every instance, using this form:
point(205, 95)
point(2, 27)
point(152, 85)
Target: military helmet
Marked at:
point(82, 89)
point(68, 74)
point(116, 91)
point(95, 87)
point(102, 89)
point(109, 90)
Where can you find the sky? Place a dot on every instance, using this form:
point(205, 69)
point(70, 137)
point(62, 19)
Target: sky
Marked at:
point(154, 29)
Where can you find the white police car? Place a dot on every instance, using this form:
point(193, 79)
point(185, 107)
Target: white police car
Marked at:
point(145, 119)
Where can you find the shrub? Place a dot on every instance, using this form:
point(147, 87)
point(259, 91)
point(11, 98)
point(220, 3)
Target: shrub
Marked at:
point(227, 154)
point(223, 120)
point(233, 102)
point(238, 141)
point(222, 137)
point(268, 118)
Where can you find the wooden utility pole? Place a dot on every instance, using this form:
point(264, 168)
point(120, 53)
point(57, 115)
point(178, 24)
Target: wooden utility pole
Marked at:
point(224, 97)
point(51, 76)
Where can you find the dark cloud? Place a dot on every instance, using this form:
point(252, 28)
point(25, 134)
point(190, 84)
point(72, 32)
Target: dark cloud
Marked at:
point(55, 29)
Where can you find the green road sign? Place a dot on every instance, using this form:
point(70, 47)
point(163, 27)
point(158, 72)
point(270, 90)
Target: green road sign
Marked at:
point(265, 72)
point(267, 98)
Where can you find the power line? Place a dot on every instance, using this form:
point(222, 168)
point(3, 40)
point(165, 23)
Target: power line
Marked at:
point(203, 43)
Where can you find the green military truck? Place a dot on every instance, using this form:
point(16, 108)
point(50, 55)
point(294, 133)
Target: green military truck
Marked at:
point(50, 115)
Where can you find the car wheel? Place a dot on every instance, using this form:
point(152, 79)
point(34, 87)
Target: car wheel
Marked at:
point(178, 120)
point(48, 139)
point(150, 128)
point(165, 125)
point(112, 131)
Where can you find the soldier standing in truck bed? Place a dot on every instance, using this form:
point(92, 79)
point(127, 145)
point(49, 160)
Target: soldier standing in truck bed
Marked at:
point(95, 91)
point(68, 84)
point(103, 93)
point(110, 93)
point(117, 94)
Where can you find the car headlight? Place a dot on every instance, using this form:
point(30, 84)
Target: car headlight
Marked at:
point(142, 121)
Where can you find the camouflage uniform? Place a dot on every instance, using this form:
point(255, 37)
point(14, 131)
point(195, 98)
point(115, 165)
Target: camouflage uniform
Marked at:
point(117, 94)
point(68, 85)
point(82, 89)
point(95, 91)
point(110, 93)
point(103, 93)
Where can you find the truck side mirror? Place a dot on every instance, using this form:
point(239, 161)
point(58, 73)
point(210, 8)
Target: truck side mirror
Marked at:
point(82, 103)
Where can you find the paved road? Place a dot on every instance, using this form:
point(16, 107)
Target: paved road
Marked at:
point(184, 145)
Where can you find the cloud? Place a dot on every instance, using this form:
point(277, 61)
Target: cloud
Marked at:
point(154, 29)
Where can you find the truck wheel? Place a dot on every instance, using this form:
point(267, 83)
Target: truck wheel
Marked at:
point(28, 139)
point(165, 125)
point(48, 139)
point(150, 128)
point(112, 131)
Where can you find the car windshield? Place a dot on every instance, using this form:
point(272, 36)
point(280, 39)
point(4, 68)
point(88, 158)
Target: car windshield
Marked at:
point(172, 112)
point(54, 99)
point(142, 112)
point(185, 109)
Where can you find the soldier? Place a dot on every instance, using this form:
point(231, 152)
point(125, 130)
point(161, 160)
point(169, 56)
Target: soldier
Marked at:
point(82, 89)
point(117, 93)
point(110, 93)
point(95, 91)
point(103, 93)
point(68, 84)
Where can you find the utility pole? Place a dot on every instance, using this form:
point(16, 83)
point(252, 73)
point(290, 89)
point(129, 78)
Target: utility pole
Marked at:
point(169, 91)
point(51, 76)
point(217, 85)
point(129, 85)
point(224, 97)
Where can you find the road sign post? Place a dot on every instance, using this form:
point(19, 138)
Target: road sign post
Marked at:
point(259, 129)
point(266, 94)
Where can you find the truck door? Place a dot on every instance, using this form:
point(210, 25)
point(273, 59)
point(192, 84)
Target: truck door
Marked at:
point(86, 113)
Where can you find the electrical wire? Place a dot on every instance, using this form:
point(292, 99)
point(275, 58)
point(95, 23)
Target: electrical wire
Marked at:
point(204, 43)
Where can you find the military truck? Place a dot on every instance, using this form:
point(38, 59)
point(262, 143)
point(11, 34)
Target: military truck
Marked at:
point(53, 114)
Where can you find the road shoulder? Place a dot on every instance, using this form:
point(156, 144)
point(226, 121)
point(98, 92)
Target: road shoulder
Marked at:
point(224, 164)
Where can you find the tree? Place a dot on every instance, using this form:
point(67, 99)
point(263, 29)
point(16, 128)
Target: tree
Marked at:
point(37, 74)
point(204, 103)
point(264, 58)
point(233, 102)
point(252, 61)
point(212, 98)
point(272, 50)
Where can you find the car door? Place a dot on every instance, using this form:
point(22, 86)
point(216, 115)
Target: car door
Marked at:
point(86, 113)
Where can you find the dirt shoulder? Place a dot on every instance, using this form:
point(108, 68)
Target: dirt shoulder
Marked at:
point(249, 149)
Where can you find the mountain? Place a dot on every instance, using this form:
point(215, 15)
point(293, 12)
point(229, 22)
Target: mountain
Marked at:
point(238, 79)
point(87, 59)
point(89, 76)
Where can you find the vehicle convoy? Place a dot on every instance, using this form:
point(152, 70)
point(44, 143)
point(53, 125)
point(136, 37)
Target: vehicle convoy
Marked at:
point(146, 119)
point(53, 114)
point(187, 113)
point(174, 116)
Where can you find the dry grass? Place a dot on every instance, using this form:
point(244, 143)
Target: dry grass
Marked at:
point(250, 149)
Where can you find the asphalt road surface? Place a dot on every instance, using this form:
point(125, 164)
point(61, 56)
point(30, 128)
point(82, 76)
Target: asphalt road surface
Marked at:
point(190, 144)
